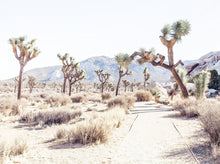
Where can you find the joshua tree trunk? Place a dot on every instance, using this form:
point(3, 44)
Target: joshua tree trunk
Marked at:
point(102, 89)
point(20, 81)
point(70, 88)
point(170, 55)
point(64, 85)
point(119, 80)
point(180, 83)
point(125, 88)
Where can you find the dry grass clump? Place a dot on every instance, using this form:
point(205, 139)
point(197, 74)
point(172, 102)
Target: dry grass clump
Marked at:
point(78, 99)
point(61, 133)
point(10, 106)
point(94, 130)
point(124, 102)
point(50, 117)
point(56, 100)
point(187, 107)
point(143, 96)
point(17, 147)
point(106, 96)
point(210, 118)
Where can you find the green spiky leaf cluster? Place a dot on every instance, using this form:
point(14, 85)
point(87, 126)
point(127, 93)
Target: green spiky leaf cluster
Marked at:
point(176, 30)
point(182, 74)
point(27, 49)
point(201, 82)
point(123, 60)
point(146, 56)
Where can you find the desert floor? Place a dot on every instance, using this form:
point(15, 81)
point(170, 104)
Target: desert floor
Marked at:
point(150, 133)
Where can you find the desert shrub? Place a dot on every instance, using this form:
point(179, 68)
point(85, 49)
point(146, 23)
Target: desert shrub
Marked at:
point(10, 106)
point(123, 102)
point(187, 107)
point(50, 117)
point(118, 101)
point(61, 133)
point(130, 101)
point(78, 99)
point(215, 80)
point(96, 130)
point(106, 96)
point(143, 96)
point(210, 118)
point(17, 147)
point(56, 100)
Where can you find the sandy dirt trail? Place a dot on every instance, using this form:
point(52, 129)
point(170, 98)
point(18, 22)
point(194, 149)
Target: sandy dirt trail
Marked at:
point(153, 138)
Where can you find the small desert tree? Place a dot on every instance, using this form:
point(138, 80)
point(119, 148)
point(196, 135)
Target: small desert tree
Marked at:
point(126, 83)
point(27, 52)
point(215, 80)
point(171, 35)
point(75, 76)
point(146, 75)
point(67, 64)
point(103, 78)
point(124, 62)
point(32, 82)
point(201, 82)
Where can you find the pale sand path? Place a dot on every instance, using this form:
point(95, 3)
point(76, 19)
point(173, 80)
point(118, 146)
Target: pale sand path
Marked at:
point(153, 138)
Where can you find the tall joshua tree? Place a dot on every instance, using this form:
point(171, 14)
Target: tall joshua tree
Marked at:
point(126, 83)
point(146, 75)
point(103, 78)
point(171, 35)
point(124, 61)
point(75, 75)
point(67, 63)
point(27, 52)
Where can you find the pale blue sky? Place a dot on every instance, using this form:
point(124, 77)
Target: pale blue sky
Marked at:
point(87, 28)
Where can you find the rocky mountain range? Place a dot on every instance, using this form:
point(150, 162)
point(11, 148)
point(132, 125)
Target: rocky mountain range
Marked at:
point(53, 73)
point(210, 61)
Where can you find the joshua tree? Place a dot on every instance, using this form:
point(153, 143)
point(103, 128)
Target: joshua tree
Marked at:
point(124, 61)
point(67, 64)
point(171, 35)
point(32, 82)
point(27, 52)
point(146, 75)
point(103, 78)
point(201, 82)
point(75, 75)
point(126, 84)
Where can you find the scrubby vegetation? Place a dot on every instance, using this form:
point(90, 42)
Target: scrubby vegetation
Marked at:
point(187, 107)
point(93, 130)
point(50, 117)
point(14, 148)
point(143, 96)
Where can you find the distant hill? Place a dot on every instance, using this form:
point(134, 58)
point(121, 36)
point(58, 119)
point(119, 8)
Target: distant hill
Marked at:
point(210, 61)
point(53, 73)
